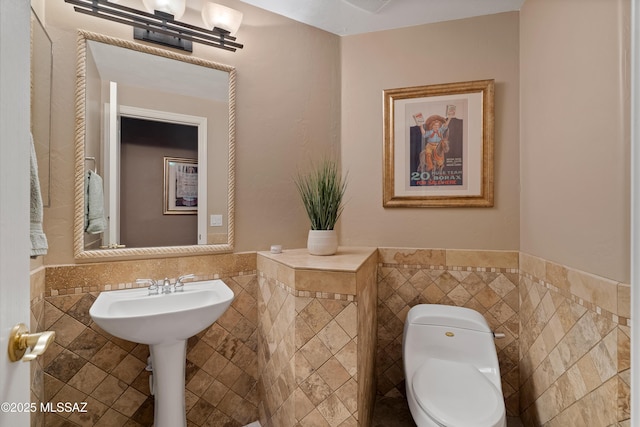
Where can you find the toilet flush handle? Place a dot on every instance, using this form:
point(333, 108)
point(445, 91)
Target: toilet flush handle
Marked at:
point(498, 335)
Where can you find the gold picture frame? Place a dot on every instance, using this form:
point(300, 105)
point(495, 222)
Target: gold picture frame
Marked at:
point(180, 186)
point(438, 145)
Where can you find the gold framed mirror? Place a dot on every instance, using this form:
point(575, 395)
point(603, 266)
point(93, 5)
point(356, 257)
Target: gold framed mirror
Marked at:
point(191, 104)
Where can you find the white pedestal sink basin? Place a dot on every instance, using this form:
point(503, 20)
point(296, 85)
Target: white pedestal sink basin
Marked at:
point(164, 322)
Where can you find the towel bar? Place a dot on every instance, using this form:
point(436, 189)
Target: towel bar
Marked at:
point(92, 159)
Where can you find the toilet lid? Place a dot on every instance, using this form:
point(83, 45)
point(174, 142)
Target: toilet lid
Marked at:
point(457, 394)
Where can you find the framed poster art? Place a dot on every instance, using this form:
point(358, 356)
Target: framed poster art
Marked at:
point(180, 186)
point(438, 145)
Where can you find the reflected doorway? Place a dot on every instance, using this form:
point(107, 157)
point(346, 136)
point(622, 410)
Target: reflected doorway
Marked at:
point(143, 146)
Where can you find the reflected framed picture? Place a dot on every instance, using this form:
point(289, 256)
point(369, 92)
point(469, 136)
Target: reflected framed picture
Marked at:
point(438, 145)
point(180, 186)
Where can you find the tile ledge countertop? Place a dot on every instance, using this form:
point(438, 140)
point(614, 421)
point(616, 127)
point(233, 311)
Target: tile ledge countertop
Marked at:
point(347, 259)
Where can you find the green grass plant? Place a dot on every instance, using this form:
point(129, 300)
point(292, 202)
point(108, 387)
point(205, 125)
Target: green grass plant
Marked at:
point(322, 192)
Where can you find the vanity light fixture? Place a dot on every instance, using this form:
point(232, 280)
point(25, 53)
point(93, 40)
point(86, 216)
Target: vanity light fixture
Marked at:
point(162, 27)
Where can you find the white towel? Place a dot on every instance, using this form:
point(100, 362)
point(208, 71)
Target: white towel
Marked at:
point(94, 221)
point(39, 245)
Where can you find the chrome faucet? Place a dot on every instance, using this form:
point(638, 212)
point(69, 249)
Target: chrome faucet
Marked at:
point(179, 286)
point(165, 286)
point(153, 285)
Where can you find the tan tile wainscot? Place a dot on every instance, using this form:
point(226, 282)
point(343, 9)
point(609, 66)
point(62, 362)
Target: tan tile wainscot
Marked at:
point(317, 337)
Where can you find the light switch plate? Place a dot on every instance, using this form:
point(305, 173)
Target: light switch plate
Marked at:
point(215, 220)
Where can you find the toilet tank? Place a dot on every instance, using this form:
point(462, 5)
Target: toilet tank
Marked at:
point(447, 315)
point(449, 333)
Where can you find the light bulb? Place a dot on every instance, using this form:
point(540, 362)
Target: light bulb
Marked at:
point(216, 15)
point(174, 7)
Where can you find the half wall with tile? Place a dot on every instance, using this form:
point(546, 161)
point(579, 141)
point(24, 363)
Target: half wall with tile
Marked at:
point(574, 347)
point(86, 364)
point(565, 360)
point(316, 341)
point(37, 281)
point(486, 281)
point(298, 345)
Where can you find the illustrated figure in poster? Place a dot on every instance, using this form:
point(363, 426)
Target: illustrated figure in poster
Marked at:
point(436, 149)
point(435, 143)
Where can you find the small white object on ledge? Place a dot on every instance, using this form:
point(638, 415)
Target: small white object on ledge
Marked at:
point(276, 249)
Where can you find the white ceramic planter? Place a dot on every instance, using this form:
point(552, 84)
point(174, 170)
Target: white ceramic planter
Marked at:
point(322, 242)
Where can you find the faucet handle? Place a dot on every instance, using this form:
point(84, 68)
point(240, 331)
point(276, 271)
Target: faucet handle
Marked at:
point(153, 285)
point(179, 286)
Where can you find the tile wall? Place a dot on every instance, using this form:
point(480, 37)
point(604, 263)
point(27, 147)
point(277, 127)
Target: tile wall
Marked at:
point(574, 347)
point(86, 364)
point(37, 281)
point(316, 339)
point(565, 360)
point(486, 281)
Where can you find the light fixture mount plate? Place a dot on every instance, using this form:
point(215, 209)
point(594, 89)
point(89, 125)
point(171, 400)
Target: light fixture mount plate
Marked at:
point(163, 39)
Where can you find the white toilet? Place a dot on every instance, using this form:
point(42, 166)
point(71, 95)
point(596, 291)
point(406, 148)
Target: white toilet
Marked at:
point(451, 368)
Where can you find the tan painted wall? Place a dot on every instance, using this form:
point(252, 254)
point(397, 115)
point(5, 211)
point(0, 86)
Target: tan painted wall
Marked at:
point(574, 134)
point(287, 113)
point(462, 50)
point(573, 208)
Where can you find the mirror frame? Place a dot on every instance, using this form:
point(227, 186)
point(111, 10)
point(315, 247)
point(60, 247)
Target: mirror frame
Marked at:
point(80, 134)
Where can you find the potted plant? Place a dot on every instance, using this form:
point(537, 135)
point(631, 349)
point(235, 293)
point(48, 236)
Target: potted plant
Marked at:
point(322, 191)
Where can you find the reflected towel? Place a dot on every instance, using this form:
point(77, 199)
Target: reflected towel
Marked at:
point(94, 221)
point(39, 245)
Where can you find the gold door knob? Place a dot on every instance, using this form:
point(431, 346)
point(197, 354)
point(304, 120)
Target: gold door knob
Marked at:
point(20, 339)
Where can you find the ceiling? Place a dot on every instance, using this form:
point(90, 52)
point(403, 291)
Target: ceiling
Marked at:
point(348, 17)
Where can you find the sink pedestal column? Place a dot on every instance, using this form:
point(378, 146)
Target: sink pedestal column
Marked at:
point(168, 362)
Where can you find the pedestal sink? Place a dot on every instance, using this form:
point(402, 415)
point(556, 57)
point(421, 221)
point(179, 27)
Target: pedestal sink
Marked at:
point(164, 322)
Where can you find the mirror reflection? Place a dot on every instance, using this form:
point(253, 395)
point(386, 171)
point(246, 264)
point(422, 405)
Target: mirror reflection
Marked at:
point(155, 147)
point(41, 69)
